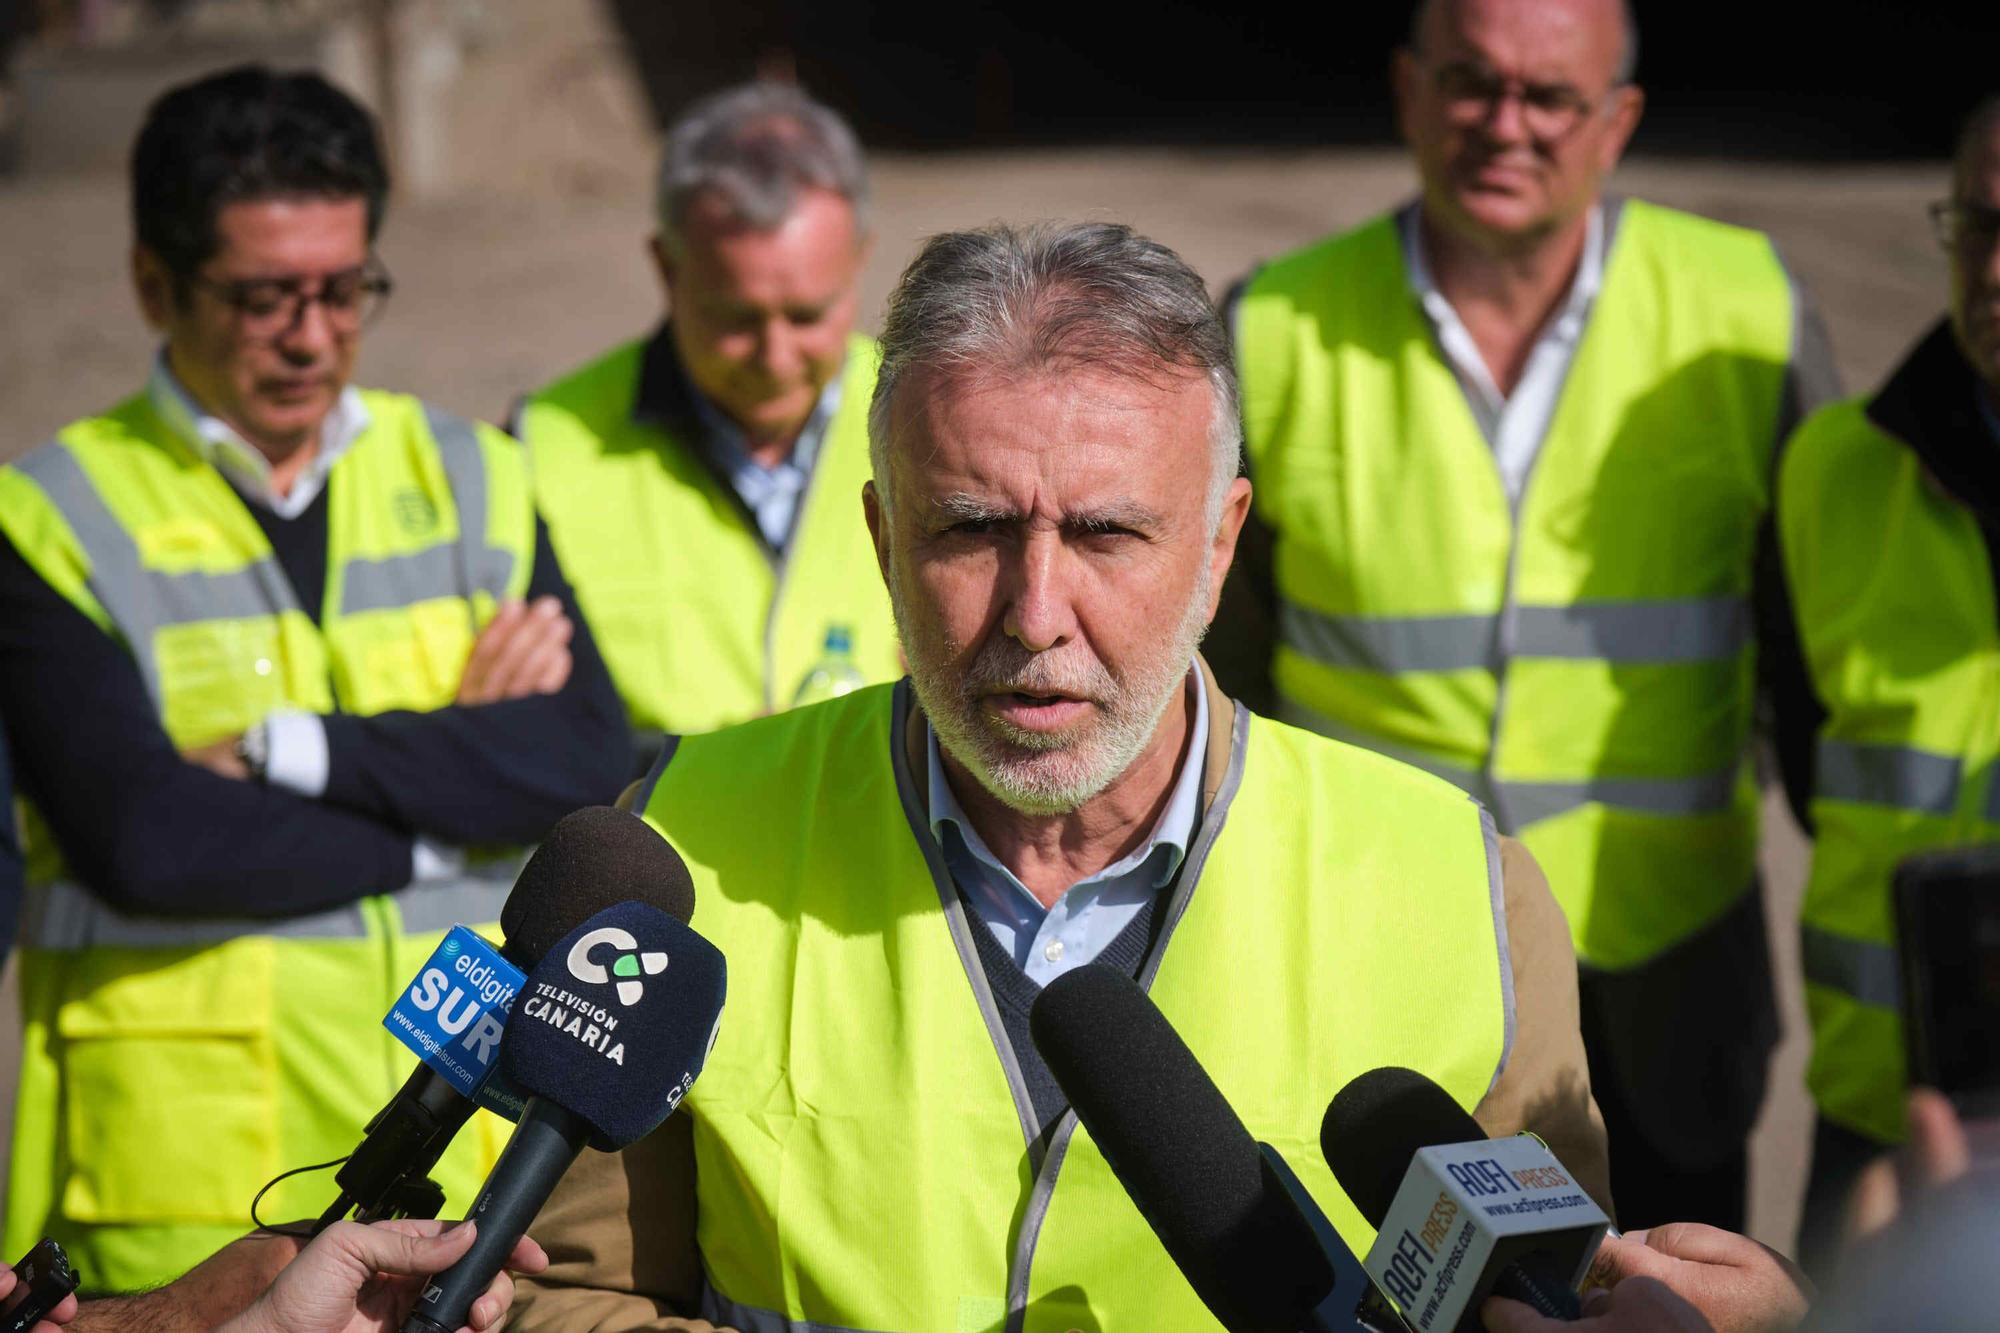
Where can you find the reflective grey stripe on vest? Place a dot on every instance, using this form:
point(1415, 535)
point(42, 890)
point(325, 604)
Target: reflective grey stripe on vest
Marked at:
point(719, 1309)
point(1705, 793)
point(1859, 969)
point(142, 601)
point(65, 916)
point(484, 567)
point(1390, 644)
point(1694, 629)
point(444, 570)
point(1518, 803)
point(1902, 776)
point(472, 899)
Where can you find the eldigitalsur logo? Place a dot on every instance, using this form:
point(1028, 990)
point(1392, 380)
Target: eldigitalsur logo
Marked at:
point(628, 964)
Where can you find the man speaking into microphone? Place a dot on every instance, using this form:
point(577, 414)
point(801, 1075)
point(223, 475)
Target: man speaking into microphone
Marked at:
point(895, 874)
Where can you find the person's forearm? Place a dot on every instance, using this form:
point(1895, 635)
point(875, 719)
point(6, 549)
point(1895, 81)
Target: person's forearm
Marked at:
point(142, 828)
point(212, 1293)
point(496, 772)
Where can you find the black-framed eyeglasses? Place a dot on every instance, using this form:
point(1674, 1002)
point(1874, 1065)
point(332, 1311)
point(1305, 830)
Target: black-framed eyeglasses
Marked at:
point(1957, 222)
point(271, 307)
point(1549, 111)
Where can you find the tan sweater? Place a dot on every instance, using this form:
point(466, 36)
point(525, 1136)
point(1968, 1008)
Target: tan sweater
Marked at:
point(620, 1229)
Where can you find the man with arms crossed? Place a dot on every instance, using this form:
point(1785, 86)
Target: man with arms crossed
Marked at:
point(699, 484)
point(875, 1143)
point(1513, 447)
point(274, 651)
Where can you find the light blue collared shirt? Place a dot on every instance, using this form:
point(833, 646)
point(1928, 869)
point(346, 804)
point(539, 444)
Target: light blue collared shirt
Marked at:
point(1047, 942)
point(770, 493)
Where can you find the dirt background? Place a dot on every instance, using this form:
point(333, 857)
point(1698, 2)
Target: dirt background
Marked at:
point(526, 256)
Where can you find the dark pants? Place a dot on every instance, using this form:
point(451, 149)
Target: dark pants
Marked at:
point(1647, 1187)
point(1838, 1156)
point(1678, 1049)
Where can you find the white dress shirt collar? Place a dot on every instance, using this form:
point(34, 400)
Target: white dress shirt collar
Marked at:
point(1513, 424)
point(219, 444)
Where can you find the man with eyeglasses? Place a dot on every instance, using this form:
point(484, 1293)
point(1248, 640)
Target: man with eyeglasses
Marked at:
point(275, 654)
point(1889, 719)
point(1512, 446)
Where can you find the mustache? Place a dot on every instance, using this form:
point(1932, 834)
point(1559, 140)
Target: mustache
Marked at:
point(1004, 665)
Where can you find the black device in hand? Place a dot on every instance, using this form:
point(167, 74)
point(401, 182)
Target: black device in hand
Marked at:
point(44, 1277)
point(1948, 956)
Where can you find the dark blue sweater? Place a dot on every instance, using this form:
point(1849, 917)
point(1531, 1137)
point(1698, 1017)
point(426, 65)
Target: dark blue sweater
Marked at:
point(150, 833)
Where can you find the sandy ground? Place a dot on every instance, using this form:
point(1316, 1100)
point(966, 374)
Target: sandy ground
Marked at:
point(533, 261)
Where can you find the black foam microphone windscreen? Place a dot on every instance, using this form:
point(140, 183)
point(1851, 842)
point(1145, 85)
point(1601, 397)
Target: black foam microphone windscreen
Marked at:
point(608, 1035)
point(1179, 1150)
point(1376, 1124)
point(591, 859)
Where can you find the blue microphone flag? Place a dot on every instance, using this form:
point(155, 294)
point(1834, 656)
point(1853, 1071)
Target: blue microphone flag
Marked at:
point(453, 1014)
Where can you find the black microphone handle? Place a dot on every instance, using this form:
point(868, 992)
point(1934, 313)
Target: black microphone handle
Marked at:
point(403, 1142)
point(1532, 1281)
point(543, 1145)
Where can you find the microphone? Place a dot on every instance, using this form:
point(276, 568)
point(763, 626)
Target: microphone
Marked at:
point(591, 859)
point(1458, 1216)
point(612, 1031)
point(1233, 1217)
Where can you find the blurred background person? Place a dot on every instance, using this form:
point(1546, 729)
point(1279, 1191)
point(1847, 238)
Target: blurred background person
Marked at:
point(1888, 713)
point(273, 651)
point(10, 855)
point(1511, 446)
point(701, 483)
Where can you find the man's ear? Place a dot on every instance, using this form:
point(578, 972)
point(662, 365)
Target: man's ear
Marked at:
point(1403, 76)
point(663, 264)
point(878, 527)
point(154, 285)
point(1222, 553)
point(1628, 105)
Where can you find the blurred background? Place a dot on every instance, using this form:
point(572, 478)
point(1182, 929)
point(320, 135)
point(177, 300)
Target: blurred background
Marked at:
point(524, 133)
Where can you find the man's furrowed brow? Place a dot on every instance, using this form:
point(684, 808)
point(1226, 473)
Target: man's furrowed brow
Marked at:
point(1113, 514)
point(959, 507)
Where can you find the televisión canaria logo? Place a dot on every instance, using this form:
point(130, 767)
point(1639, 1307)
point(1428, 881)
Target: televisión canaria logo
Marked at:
point(589, 1022)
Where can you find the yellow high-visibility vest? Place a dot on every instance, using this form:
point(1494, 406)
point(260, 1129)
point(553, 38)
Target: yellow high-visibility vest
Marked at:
point(699, 621)
point(862, 1130)
point(1893, 595)
point(1582, 661)
point(170, 1068)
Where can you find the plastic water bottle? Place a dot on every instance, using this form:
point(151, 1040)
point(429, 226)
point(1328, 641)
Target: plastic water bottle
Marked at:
point(835, 673)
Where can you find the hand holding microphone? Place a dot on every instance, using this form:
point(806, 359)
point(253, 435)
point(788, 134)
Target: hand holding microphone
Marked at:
point(365, 1279)
point(1681, 1276)
point(607, 1038)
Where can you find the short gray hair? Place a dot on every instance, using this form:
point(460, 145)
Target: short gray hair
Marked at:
point(755, 147)
point(1003, 299)
point(1628, 56)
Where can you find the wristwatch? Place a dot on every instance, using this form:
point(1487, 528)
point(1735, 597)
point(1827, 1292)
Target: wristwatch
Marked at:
point(253, 749)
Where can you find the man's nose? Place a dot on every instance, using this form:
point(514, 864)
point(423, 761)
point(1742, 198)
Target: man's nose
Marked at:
point(1506, 118)
point(1040, 611)
point(311, 333)
point(778, 348)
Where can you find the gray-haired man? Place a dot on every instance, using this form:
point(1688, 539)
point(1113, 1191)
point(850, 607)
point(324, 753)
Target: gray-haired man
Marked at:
point(895, 875)
point(700, 484)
